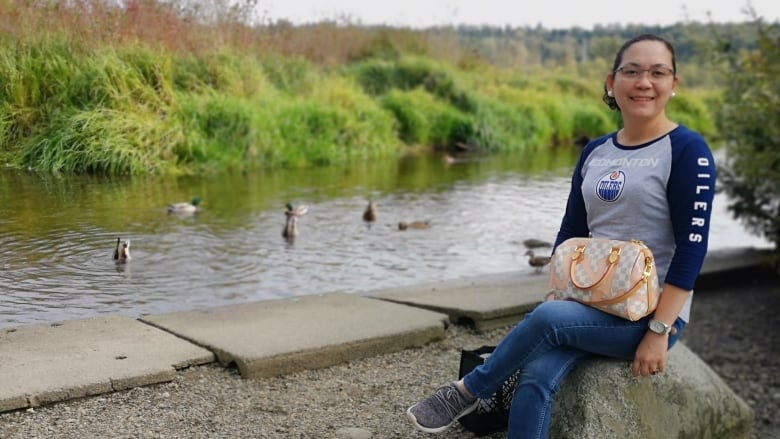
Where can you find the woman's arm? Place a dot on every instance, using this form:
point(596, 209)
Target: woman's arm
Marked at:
point(651, 353)
point(690, 192)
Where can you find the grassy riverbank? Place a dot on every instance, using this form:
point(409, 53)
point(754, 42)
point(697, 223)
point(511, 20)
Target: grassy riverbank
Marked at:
point(94, 94)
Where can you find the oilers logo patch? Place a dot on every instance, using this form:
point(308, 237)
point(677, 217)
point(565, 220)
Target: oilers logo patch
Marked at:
point(610, 186)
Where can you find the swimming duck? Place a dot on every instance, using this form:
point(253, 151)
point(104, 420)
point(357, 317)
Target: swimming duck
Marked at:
point(122, 251)
point(538, 262)
point(369, 215)
point(185, 208)
point(290, 230)
point(536, 243)
point(414, 225)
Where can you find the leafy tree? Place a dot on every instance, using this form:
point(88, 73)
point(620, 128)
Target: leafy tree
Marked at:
point(749, 122)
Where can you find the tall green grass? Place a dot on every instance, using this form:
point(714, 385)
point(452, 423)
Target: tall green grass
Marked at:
point(68, 109)
point(134, 108)
point(334, 125)
point(102, 141)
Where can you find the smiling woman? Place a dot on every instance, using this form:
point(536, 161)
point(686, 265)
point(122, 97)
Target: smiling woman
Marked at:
point(653, 181)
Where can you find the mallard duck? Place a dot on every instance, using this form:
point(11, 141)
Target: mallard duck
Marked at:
point(185, 208)
point(122, 251)
point(369, 215)
point(538, 262)
point(414, 225)
point(290, 230)
point(536, 243)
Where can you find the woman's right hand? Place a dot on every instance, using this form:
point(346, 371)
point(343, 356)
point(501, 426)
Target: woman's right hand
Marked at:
point(650, 356)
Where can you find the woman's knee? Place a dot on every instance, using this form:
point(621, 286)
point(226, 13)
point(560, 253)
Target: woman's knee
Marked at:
point(549, 314)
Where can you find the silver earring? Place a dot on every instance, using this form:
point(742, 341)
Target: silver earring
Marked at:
point(609, 93)
point(674, 94)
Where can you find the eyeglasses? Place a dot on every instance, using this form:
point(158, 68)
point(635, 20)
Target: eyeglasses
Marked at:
point(657, 73)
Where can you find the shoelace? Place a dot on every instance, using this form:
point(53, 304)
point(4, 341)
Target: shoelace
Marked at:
point(450, 398)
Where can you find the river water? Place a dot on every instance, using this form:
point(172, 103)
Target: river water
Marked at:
point(57, 233)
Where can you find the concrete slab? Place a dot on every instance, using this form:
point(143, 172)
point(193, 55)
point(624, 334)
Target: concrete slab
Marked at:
point(734, 259)
point(484, 302)
point(493, 300)
point(278, 337)
point(48, 363)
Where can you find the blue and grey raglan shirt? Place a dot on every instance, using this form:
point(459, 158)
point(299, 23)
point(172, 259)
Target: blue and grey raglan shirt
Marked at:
point(660, 192)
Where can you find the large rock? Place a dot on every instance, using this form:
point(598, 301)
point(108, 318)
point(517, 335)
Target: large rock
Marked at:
point(602, 400)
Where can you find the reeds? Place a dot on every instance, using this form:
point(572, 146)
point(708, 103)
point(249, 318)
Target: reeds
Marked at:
point(165, 87)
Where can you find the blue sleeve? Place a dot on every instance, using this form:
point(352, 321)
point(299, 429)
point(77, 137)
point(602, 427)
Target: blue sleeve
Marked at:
point(575, 219)
point(690, 191)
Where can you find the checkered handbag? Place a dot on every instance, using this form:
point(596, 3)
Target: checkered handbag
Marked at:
point(617, 277)
point(492, 414)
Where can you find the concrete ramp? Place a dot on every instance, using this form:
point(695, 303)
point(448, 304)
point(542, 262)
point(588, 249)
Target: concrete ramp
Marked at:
point(278, 337)
point(42, 364)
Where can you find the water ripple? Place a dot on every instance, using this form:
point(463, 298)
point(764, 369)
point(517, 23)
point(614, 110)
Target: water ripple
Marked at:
point(58, 264)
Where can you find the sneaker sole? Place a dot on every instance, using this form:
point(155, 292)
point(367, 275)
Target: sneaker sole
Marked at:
point(438, 429)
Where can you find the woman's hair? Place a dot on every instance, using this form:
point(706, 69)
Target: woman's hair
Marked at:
point(609, 100)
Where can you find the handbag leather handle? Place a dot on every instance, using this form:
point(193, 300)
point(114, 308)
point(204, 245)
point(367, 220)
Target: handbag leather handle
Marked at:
point(645, 277)
point(621, 297)
point(578, 256)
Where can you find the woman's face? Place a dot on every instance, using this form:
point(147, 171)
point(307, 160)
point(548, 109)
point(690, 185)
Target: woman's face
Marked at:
point(644, 81)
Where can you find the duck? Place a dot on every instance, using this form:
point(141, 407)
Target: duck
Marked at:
point(369, 215)
point(538, 262)
point(536, 243)
point(185, 208)
point(122, 251)
point(403, 225)
point(448, 160)
point(292, 214)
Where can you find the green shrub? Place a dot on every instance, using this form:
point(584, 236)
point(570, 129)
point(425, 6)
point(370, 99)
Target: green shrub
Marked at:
point(336, 124)
point(690, 111)
point(36, 74)
point(452, 127)
point(224, 72)
point(423, 119)
point(378, 77)
point(219, 131)
point(413, 111)
point(519, 119)
point(590, 119)
point(102, 141)
point(289, 75)
point(748, 121)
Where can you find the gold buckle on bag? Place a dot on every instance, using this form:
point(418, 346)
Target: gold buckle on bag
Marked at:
point(578, 252)
point(614, 255)
point(648, 267)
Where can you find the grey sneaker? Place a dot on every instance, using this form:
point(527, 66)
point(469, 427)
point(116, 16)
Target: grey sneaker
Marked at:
point(440, 410)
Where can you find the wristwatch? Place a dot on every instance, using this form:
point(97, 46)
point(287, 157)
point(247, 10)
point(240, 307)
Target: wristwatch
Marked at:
point(659, 327)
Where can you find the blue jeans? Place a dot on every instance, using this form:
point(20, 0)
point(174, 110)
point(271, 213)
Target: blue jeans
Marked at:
point(546, 345)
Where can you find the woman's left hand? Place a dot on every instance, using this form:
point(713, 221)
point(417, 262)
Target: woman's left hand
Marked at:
point(650, 357)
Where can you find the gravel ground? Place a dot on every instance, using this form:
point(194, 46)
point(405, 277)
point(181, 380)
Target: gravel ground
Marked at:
point(734, 329)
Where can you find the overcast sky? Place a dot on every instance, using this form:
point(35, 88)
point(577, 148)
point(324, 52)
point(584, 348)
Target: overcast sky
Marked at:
point(551, 14)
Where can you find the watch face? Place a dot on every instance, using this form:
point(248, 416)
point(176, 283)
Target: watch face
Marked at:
point(657, 327)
